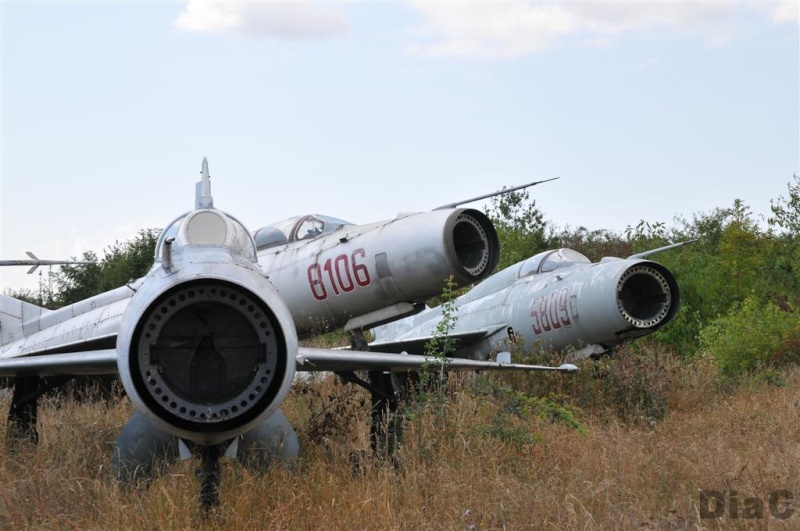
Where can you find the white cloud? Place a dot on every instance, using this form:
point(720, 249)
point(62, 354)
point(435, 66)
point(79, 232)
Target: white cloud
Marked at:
point(519, 28)
point(283, 20)
point(782, 12)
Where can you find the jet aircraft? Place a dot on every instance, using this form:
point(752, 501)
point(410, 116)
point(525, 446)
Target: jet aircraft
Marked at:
point(556, 300)
point(333, 273)
point(204, 345)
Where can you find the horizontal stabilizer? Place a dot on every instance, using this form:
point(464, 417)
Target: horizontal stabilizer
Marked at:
point(383, 316)
point(417, 344)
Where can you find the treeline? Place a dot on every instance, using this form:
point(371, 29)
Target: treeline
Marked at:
point(121, 263)
point(739, 283)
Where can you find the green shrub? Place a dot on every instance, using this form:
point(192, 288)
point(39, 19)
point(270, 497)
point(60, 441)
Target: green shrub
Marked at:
point(514, 406)
point(752, 334)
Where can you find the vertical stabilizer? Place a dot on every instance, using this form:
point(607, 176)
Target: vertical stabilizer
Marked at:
point(203, 197)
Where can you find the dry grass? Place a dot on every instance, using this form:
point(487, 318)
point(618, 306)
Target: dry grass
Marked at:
point(624, 471)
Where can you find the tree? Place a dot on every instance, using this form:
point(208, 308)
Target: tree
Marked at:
point(646, 236)
point(740, 251)
point(120, 264)
point(25, 294)
point(786, 211)
point(734, 260)
point(595, 244)
point(786, 216)
point(520, 227)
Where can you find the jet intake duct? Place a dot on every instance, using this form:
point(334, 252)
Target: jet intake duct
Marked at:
point(647, 295)
point(472, 244)
point(207, 356)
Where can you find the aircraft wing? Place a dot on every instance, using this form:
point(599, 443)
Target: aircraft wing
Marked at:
point(308, 359)
point(417, 344)
point(313, 359)
point(75, 363)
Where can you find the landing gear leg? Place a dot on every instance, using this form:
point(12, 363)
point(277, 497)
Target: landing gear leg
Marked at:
point(385, 426)
point(24, 410)
point(210, 474)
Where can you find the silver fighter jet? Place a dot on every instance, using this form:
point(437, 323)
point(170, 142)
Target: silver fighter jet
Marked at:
point(205, 346)
point(335, 274)
point(556, 300)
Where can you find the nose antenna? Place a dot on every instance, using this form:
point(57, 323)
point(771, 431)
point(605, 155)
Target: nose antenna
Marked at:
point(202, 189)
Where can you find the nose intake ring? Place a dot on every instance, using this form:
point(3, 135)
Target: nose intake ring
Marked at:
point(208, 356)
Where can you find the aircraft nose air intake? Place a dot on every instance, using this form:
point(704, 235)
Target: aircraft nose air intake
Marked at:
point(645, 296)
point(208, 356)
point(474, 243)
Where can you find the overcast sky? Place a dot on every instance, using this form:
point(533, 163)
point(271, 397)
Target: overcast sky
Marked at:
point(362, 110)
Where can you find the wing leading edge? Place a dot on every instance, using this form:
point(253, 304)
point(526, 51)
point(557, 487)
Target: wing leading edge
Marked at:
point(94, 362)
point(312, 359)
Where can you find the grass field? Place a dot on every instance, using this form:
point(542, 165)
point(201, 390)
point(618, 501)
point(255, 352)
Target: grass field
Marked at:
point(629, 443)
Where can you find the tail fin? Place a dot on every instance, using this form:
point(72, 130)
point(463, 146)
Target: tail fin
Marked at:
point(18, 318)
point(203, 198)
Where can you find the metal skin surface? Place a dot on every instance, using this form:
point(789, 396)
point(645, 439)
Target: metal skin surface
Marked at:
point(67, 329)
point(359, 269)
point(579, 307)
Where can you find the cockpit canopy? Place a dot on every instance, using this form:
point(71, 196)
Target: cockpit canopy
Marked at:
point(208, 227)
point(543, 262)
point(296, 229)
point(547, 261)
